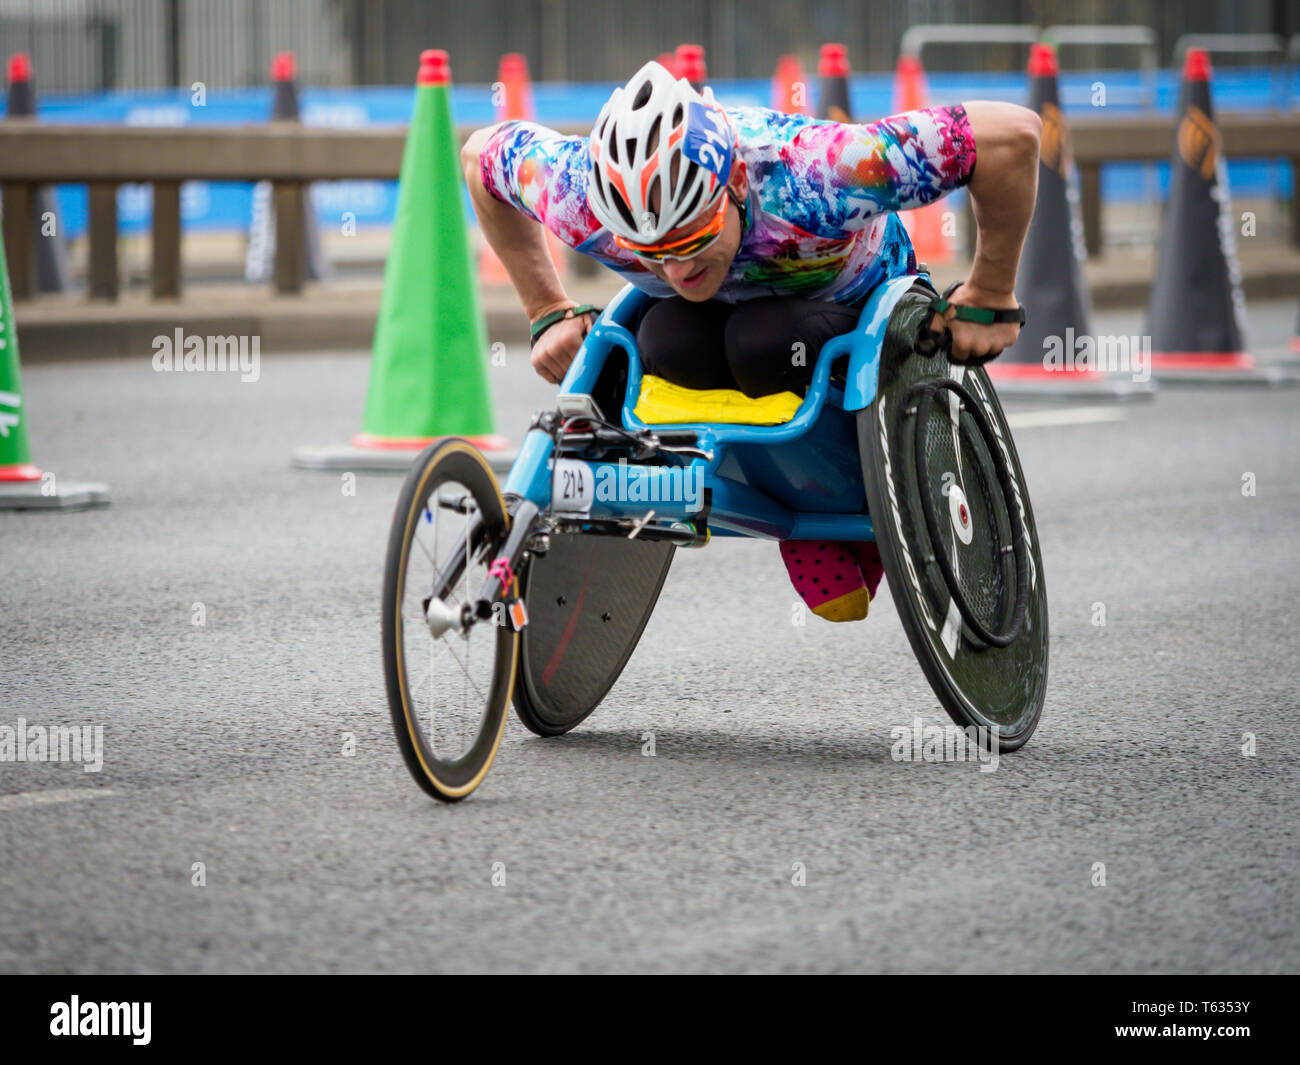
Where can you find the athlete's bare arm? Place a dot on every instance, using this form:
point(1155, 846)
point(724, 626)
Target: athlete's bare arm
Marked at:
point(520, 243)
point(1002, 192)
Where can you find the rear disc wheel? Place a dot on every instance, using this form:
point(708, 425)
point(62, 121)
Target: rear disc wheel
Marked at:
point(956, 533)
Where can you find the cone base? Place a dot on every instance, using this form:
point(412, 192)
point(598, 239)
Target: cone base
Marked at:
point(488, 443)
point(1221, 368)
point(382, 459)
point(23, 471)
point(1035, 371)
point(1033, 381)
point(70, 495)
point(1202, 360)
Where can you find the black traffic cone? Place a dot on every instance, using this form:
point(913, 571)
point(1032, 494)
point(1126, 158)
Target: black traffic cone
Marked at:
point(259, 259)
point(1197, 311)
point(1056, 353)
point(52, 272)
point(833, 70)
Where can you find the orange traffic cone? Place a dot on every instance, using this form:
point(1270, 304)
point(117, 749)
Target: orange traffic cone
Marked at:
point(668, 61)
point(925, 225)
point(691, 66)
point(514, 98)
point(790, 87)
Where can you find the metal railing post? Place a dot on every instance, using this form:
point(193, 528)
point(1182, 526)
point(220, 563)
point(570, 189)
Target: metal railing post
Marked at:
point(104, 282)
point(20, 252)
point(165, 240)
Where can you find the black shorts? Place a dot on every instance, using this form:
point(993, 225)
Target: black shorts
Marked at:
point(758, 347)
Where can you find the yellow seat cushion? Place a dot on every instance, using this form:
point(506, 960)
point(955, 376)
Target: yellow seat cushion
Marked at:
point(662, 402)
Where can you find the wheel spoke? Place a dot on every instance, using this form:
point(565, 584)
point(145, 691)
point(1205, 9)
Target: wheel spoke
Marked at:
point(463, 669)
point(423, 678)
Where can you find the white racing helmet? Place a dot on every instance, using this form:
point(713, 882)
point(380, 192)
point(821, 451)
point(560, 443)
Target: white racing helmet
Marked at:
point(657, 138)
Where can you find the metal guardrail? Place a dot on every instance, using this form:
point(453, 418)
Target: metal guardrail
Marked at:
point(1134, 138)
point(915, 38)
point(1143, 38)
point(292, 156)
point(1266, 43)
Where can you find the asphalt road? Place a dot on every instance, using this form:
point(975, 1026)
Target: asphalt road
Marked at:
point(223, 743)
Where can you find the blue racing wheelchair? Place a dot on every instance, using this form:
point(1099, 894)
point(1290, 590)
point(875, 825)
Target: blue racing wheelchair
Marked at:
point(539, 592)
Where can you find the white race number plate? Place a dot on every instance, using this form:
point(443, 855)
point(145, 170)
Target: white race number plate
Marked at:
point(572, 488)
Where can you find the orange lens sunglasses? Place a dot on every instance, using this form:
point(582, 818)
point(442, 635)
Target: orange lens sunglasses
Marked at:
point(685, 247)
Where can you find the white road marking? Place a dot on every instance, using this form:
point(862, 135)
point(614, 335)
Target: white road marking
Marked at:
point(1040, 419)
point(24, 800)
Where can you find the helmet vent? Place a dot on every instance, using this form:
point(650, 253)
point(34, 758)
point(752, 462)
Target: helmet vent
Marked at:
point(613, 150)
point(642, 96)
point(630, 145)
point(689, 209)
point(690, 172)
point(677, 116)
point(624, 211)
point(652, 139)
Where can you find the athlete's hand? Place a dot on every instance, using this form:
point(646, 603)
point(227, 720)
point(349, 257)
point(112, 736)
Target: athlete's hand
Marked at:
point(970, 339)
point(556, 348)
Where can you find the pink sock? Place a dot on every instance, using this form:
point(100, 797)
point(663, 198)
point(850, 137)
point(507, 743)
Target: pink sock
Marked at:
point(827, 577)
point(867, 554)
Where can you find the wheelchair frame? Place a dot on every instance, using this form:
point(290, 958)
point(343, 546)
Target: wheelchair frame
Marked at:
point(752, 473)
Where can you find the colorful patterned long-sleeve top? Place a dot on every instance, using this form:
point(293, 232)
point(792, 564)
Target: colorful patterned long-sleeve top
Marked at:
point(822, 197)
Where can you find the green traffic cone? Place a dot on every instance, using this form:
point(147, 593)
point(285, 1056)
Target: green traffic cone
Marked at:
point(428, 376)
point(15, 451)
point(23, 485)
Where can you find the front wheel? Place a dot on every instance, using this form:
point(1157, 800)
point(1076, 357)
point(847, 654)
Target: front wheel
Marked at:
point(448, 671)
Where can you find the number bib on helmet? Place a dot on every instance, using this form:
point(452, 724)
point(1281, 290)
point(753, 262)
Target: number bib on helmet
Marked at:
point(706, 140)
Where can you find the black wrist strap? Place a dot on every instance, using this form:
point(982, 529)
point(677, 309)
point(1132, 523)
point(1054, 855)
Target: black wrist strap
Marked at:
point(545, 322)
point(929, 340)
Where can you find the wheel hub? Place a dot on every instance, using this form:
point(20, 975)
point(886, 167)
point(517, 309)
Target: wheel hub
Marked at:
point(959, 513)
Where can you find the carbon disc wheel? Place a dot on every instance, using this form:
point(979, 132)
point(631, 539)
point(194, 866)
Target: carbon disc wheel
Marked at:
point(589, 598)
point(956, 533)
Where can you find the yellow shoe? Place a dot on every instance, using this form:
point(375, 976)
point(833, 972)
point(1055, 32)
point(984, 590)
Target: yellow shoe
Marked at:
point(850, 607)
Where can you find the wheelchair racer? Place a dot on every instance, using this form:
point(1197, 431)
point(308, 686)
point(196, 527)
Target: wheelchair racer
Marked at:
point(761, 235)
